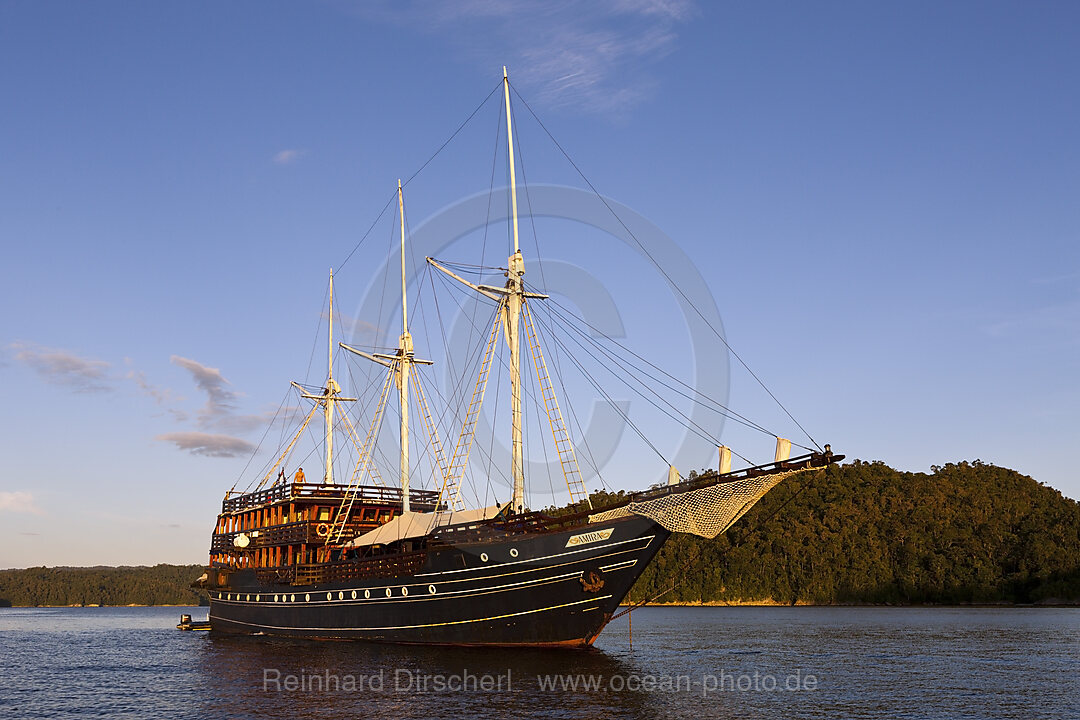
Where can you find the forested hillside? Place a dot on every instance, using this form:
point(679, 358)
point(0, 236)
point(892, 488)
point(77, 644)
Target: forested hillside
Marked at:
point(158, 585)
point(865, 533)
point(858, 533)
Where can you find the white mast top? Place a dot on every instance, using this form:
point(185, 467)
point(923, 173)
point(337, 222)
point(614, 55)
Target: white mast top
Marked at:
point(510, 145)
point(404, 308)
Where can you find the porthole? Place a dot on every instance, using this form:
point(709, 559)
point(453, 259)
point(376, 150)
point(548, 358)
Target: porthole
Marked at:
point(257, 598)
point(329, 596)
point(483, 557)
point(230, 596)
point(367, 594)
point(513, 552)
point(275, 598)
point(292, 598)
point(307, 597)
point(248, 598)
point(431, 589)
point(389, 592)
point(404, 592)
point(341, 596)
point(353, 594)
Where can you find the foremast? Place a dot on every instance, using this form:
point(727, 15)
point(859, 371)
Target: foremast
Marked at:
point(400, 365)
point(512, 312)
point(515, 298)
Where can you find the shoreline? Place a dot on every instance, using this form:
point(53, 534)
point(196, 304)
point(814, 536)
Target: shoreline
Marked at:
point(1055, 603)
point(768, 602)
point(95, 607)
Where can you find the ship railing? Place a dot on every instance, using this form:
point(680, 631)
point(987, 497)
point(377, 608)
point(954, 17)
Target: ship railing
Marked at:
point(293, 491)
point(254, 499)
point(375, 567)
point(295, 533)
point(285, 575)
point(540, 521)
point(802, 462)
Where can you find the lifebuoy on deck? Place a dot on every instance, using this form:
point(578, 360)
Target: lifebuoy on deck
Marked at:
point(322, 530)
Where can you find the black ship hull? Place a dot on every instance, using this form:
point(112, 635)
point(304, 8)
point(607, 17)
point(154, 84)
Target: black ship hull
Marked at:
point(526, 589)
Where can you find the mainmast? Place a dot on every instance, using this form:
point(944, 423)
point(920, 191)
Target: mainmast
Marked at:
point(515, 297)
point(400, 364)
point(405, 351)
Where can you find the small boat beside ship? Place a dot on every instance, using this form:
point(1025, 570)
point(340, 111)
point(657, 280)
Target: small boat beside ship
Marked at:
point(364, 559)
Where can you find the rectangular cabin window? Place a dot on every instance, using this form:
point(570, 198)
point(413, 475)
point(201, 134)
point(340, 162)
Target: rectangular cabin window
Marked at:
point(324, 514)
point(370, 514)
point(385, 515)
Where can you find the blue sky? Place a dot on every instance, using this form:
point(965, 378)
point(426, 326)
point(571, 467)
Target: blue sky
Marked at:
point(881, 200)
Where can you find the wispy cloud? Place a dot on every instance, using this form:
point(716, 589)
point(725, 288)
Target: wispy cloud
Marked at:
point(160, 395)
point(163, 396)
point(19, 501)
point(62, 367)
point(597, 56)
point(208, 444)
point(220, 400)
point(287, 157)
point(219, 412)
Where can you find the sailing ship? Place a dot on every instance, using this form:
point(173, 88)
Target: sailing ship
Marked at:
point(359, 559)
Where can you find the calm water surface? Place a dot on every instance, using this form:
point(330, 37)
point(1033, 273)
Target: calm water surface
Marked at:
point(742, 663)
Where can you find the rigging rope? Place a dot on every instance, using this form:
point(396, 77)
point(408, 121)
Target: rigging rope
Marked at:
point(569, 316)
point(663, 272)
point(418, 171)
point(629, 368)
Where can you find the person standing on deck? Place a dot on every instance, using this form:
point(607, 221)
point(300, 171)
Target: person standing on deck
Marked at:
point(299, 476)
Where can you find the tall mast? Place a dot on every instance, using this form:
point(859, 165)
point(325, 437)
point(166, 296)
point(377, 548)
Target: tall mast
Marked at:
point(331, 391)
point(405, 350)
point(510, 155)
point(515, 298)
point(400, 364)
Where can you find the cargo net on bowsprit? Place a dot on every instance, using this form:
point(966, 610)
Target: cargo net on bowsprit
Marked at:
point(706, 511)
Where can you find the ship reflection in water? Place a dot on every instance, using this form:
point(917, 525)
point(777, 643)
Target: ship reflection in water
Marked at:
point(938, 663)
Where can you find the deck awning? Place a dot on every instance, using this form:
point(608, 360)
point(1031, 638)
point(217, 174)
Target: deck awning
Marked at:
point(415, 524)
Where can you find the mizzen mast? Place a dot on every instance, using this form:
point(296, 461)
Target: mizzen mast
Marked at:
point(332, 389)
point(331, 394)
